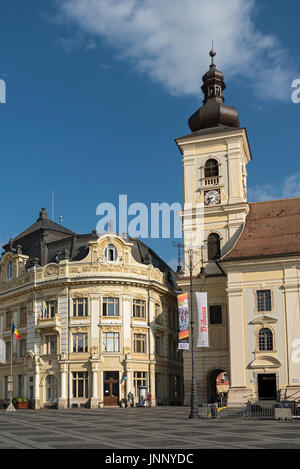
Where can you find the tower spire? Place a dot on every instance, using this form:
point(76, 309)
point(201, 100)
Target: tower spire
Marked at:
point(214, 112)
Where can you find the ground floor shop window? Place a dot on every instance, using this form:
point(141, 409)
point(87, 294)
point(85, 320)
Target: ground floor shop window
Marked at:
point(80, 383)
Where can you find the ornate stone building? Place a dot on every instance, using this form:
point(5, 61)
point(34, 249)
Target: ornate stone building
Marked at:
point(251, 259)
point(97, 317)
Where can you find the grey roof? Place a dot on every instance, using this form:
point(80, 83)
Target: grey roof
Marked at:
point(46, 241)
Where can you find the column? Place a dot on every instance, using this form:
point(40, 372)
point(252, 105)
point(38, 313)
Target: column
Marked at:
point(94, 403)
point(62, 401)
point(37, 387)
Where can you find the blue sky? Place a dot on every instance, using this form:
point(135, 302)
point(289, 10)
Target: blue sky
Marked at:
point(98, 90)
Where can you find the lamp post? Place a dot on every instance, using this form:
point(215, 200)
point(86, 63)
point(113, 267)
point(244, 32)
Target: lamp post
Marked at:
point(189, 250)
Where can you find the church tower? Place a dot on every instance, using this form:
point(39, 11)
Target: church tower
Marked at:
point(214, 156)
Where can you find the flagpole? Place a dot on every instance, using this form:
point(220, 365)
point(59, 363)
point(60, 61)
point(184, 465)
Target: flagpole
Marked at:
point(11, 407)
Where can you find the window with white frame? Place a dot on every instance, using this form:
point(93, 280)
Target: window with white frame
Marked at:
point(110, 341)
point(139, 343)
point(80, 307)
point(139, 379)
point(139, 308)
point(51, 308)
point(51, 344)
point(110, 306)
point(51, 388)
point(80, 342)
point(111, 253)
point(264, 300)
point(265, 339)
point(80, 383)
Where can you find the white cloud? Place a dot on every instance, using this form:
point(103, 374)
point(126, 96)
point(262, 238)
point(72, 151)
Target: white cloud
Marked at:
point(170, 39)
point(289, 188)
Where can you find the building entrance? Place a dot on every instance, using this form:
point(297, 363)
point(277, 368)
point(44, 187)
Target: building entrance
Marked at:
point(267, 389)
point(111, 388)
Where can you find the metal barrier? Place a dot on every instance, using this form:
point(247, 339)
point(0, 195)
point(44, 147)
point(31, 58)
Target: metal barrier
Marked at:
point(252, 410)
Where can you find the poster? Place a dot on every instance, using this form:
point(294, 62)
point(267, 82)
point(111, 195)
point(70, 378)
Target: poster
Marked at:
point(202, 319)
point(184, 322)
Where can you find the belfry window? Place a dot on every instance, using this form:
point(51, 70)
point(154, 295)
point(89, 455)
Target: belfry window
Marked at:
point(264, 302)
point(111, 253)
point(213, 247)
point(265, 339)
point(211, 168)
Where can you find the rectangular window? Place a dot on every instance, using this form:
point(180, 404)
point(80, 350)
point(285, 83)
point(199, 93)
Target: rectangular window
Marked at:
point(110, 342)
point(140, 343)
point(5, 387)
point(80, 307)
point(80, 342)
point(22, 319)
point(139, 379)
point(264, 300)
point(110, 306)
point(7, 350)
point(139, 309)
point(158, 345)
point(51, 344)
point(20, 385)
point(51, 308)
point(80, 383)
point(8, 319)
point(21, 348)
point(215, 314)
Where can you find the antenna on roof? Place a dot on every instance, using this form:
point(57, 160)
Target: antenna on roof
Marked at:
point(52, 205)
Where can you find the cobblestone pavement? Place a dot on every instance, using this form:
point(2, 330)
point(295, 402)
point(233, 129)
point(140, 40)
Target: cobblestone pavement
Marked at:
point(162, 427)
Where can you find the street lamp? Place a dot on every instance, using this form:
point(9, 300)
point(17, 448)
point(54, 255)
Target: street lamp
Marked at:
point(189, 250)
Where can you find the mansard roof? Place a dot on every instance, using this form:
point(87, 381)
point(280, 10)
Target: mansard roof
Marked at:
point(46, 241)
point(272, 228)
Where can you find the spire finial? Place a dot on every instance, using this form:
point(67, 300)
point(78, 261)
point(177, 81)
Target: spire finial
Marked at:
point(212, 52)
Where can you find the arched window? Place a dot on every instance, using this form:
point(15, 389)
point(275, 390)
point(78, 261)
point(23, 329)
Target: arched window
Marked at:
point(51, 388)
point(9, 270)
point(213, 247)
point(265, 339)
point(211, 168)
point(111, 253)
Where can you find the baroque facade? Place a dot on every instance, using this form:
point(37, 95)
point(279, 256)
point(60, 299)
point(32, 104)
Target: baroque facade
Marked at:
point(251, 254)
point(97, 318)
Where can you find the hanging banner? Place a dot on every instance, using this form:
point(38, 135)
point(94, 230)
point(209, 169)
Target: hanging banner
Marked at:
point(202, 319)
point(184, 322)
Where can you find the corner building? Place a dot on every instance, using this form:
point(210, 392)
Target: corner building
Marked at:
point(97, 317)
point(251, 257)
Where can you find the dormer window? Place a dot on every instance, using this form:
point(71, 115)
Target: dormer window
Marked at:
point(111, 253)
point(9, 270)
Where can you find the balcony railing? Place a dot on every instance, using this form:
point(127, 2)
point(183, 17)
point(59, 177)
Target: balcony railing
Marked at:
point(211, 181)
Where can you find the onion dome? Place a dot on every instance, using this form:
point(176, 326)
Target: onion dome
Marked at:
point(214, 112)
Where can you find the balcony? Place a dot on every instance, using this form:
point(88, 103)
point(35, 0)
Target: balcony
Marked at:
point(52, 324)
point(210, 181)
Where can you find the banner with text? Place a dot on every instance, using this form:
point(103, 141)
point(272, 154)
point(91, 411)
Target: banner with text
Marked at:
point(184, 322)
point(202, 319)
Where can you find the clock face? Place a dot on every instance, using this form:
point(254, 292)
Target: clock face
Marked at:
point(212, 197)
